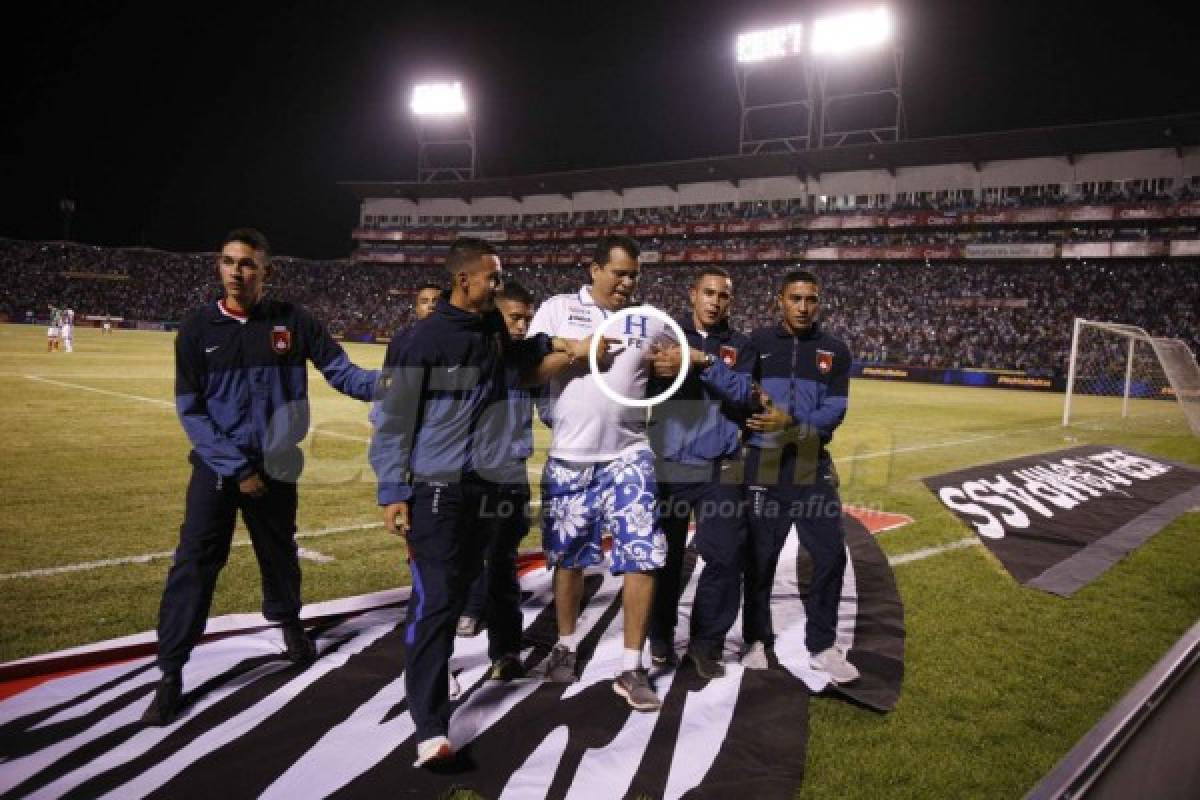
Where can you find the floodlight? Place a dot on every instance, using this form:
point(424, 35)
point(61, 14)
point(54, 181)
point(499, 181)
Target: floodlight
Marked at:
point(438, 99)
point(770, 44)
point(846, 33)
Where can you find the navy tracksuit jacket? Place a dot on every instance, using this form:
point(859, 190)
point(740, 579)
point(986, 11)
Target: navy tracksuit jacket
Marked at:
point(442, 445)
point(241, 392)
point(790, 477)
point(696, 435)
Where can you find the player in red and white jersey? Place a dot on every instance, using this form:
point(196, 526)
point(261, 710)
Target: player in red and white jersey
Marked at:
point(52, 332)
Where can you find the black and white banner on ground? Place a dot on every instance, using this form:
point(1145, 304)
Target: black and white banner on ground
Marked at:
point(1058, 520)
point(255, 726)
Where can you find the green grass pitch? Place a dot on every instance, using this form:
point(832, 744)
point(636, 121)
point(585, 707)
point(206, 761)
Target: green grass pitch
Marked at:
point(1001, 680)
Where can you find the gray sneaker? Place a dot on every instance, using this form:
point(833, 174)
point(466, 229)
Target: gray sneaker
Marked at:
point(634, 686)
point(832, 661)
point(755, 657)
point(561, 666)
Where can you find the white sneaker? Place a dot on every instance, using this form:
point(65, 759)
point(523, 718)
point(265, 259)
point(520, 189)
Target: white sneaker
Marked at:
point(755, 657)
point(433, 750)
point(832, 662)
point(453, 689)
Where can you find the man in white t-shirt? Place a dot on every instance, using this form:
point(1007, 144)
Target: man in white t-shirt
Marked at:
point(599, 475)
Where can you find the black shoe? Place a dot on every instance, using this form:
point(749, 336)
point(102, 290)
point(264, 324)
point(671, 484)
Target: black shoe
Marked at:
point(168, 699)
point(662, 654)
point(506, 668)
point(706, 666)
point(300, 649)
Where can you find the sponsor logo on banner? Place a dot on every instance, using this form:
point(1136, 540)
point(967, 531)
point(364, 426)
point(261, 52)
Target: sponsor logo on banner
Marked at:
point(1185, 247)
point(1090, 213)
point(1087, 250)
point(729, 355)
point(1024, 382)
point(281, 340)
point(822, 254)
point(487, 236)
point(1039, 250)
point(884, 372)
point(1058, 520)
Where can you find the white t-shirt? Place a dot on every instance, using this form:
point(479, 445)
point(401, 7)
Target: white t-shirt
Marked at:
point(587, 425)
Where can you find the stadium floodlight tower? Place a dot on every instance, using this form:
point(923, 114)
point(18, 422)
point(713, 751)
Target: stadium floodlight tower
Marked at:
point(857, 59)
point(775, 91)
point(445, 132)
point(831, 82)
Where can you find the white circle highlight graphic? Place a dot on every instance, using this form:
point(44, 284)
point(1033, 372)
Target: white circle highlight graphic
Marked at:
point(637, 402)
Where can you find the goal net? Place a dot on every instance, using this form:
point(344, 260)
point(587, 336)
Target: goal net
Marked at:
point(1118, 369)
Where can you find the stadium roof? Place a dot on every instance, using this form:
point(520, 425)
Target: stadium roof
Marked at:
point(1068, 141)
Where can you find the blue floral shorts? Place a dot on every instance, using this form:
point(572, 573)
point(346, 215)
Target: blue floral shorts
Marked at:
point(580, 501)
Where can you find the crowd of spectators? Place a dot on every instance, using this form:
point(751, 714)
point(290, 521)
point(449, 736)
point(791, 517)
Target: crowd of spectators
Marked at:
point(966, 315)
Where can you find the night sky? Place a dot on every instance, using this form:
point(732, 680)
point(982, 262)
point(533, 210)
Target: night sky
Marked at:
point(173, 122)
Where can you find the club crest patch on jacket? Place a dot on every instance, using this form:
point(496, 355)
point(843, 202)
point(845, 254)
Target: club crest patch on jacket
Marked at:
point(281, 340)
point(824, 361)
point(729, 355)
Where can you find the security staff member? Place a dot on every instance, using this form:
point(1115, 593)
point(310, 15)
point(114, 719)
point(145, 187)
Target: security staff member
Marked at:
point(514, 445)
point(804, 374)
point(697, 437)
point(433, 455)
point(242, 396)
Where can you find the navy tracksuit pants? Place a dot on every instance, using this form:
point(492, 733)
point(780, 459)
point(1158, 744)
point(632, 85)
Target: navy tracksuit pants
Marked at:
point(204, 540)
point(815, 509)
point(721, 531)
point(496, 590)
point(452, 525)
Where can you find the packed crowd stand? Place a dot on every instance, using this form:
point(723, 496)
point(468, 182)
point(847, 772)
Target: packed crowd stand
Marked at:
point(955, 315)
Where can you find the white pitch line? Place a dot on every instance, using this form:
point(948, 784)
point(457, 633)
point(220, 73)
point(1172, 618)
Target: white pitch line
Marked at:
point(166, 404)
point(928, 552)
point(934, 445)
point(313, 555)
point(145, 558)
point(122, 395)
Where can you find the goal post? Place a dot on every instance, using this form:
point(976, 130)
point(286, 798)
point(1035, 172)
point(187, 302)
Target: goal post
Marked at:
point(1111, 360)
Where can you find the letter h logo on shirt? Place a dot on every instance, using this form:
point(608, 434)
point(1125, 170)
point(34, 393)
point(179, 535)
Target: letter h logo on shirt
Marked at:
point(641, 322)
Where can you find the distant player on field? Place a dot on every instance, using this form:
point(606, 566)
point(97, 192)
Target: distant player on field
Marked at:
point(66, 329)
point(52, 332)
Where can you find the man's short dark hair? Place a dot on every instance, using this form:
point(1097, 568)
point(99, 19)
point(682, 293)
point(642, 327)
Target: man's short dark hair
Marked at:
point(429, 285)
point(713, 272)
point(251, 237)
point(515, 292)
point(465, 250)
point(799, 276)
point(605, 246)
